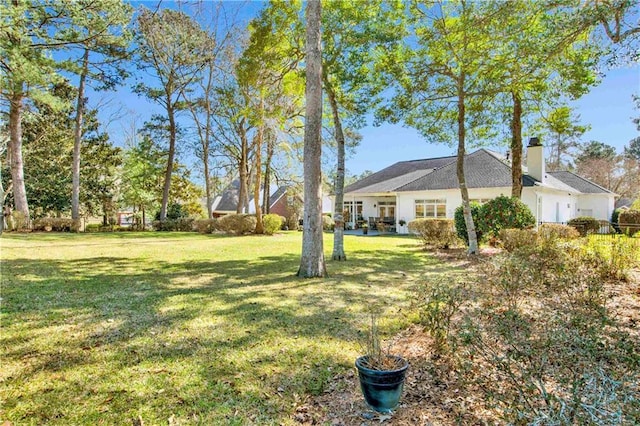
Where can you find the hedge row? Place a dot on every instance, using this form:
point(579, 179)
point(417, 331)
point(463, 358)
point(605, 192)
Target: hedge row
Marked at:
point(97, 227)
point(56, 224)
point(239, 224)
point(629, 222)
point(585, 225)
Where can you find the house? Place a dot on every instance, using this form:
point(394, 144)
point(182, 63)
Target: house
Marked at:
point(429, 188)
point(282, 201)
point(623, 203)
point(227, 202)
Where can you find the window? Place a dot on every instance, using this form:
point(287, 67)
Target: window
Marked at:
point(431, 208)
point(353, 209)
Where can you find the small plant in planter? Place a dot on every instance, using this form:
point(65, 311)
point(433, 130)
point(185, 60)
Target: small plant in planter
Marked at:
point(402, 222)
point(381, 374)
point(365, 228)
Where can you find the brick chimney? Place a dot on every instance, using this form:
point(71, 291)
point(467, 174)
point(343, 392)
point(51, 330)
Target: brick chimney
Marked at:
point(535, 160)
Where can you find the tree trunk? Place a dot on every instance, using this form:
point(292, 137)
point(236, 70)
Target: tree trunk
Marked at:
point(207, 179)
point(258, 169)
point(205, 161)
point(556, 166)
point(312, 262)
point(170, 159)
point(1, 199)
point(516, 146)
point(77, 139)
point(243, 172)
point(466, 208)
point(338, 233)
point(15, 148)
point(266, 194)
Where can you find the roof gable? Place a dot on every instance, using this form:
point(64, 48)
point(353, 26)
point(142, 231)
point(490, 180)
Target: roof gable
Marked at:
point(229, 198)
point(279, 193)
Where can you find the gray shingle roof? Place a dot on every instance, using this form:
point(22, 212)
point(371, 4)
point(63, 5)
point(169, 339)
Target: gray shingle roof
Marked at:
point(398, 174)
point(229, 198)
point(579, 183)
point(482, 169)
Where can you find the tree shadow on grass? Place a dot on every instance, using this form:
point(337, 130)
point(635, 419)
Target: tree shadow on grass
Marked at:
point(241, 333)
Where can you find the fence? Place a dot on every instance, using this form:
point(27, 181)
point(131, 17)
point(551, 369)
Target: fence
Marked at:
point(606, 228)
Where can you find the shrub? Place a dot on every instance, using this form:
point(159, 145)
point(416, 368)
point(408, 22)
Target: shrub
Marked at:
point(174, 211)
point(238, 224)
point(614, 219)
point(17, 221)
point(171, 225)
point(56, 224)
point(585, 224)
point(327, 223)
point(93, 227)
point(557, 230)
point(205, 226)
point(434, 232)
point(461, 226)
point(504, 212)
point(629, 222)
point(513, 239)
point(272, 223)
point(293, 222)
point(437, 302)
point(613, 257)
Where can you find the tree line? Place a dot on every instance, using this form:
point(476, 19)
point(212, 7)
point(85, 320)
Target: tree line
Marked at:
point(232, 94)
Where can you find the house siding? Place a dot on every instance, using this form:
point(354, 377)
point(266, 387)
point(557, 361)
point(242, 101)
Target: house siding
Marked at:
point(556, 206)
point(406, 200)
point(601, 205)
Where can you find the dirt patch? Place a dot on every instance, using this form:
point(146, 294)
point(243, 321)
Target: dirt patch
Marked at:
point(433, 394)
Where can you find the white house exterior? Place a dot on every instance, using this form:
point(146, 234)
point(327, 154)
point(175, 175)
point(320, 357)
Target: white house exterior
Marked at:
point(429, 188)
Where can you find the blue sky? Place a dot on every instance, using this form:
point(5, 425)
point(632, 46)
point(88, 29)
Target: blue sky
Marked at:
point(608, 109)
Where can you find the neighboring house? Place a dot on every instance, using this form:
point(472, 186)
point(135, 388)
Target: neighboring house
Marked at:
point(126, 217)
point(281, 201)
point(227, 202)
point(429, 188)
point(285, 203)
point(624, 203)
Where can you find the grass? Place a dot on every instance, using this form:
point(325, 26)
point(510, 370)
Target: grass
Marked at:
point(185, 329)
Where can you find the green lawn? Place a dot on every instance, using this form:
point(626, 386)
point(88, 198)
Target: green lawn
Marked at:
point(185, 329)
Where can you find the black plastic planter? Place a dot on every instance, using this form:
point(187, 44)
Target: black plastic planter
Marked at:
point(382, 388)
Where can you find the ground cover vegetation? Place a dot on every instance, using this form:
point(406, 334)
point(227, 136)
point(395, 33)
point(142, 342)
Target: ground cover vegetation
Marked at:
point(185, 328)
point(230, 87)
point(540, 332)
point(212, 329)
